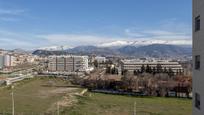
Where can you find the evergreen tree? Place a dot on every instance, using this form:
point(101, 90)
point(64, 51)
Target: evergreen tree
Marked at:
point(135, 72)
point(150, 69)
point(108, 69)
point(165, 70)
point(147, 69)
point(159, 68)
point(142, 69)
point(96, 63)
point(154, 70)
point(170, 72)
point(113, 70)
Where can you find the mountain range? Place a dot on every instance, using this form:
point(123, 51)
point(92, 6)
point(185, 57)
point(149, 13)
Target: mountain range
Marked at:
point(137, 43)
point(122, 43)
point(136, 49)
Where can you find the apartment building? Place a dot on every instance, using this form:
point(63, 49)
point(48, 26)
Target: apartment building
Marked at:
point(100, 59)
point(136, 65)
point(1, 61)
point(198, 57)
point(67, 63)
point(9, 60)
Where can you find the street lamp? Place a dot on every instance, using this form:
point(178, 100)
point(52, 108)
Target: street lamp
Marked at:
point(12, 98)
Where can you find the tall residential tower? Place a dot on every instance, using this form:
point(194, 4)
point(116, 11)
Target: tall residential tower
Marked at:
point(198, 57)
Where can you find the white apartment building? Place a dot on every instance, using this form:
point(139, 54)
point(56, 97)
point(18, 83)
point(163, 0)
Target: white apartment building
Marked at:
point(67, 63)
point(9, 60)
point(1, 61)
point(136, 65)
point(100, 59)
point(198, 57)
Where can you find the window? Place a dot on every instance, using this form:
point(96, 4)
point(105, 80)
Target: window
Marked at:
point(197, 23)
point(197, 62)
point(197, 100)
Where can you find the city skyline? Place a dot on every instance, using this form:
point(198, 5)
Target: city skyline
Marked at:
point(25, 24)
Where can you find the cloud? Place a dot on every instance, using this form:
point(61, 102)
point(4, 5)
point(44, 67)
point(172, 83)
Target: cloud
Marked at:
point(159, 35)
point(8, 19)
point(75, 40)
point(132, 33)
point(180, 34)
point(8, 43)
point(10, 15)
point(143, 42)
point(11, 12)
point(161, 32)
point(10, 40)
point(170, 29)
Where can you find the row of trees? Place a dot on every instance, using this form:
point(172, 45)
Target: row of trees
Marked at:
point(155, 70)
point(159, 85)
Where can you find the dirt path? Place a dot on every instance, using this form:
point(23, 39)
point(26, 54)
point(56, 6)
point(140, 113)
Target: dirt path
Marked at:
point(68, 100)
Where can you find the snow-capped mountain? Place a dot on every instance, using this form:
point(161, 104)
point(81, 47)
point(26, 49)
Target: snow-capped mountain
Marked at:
point(122, 43)
point(139, 48)
point(154, 50)
point(145, 42)
point(116, 43)
point(55, 48)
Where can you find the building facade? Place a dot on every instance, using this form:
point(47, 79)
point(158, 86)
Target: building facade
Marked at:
point(67, 63)
point(9, 61)
point(100, 59)
point(198, 57)
point(136, 65)
point(1, 61)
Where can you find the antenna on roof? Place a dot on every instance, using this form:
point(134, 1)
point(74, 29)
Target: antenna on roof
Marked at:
point(62, 48)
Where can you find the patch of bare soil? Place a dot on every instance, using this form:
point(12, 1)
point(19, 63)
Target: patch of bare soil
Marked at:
point(63, 90)
point(67, 100)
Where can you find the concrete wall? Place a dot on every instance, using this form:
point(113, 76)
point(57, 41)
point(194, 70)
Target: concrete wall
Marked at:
point(198, 49)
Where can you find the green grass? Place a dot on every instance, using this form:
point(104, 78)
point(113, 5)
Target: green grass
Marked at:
point(31, 97)
point(104, 104)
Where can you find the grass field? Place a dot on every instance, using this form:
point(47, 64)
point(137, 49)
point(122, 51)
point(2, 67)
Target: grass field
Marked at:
point(103, 104)
point(34, 97)
point(40, 96)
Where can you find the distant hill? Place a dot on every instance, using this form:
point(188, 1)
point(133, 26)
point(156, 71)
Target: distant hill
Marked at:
point(153, 50)
point(156, 50)
point(21, 51)
point(47, 52)
point(92, 50)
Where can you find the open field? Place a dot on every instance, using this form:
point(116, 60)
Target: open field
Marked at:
point(103, 104)
point(37, 96)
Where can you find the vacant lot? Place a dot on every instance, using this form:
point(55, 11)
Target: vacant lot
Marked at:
point(37, 96)
point(41, 96)
point(102, 104)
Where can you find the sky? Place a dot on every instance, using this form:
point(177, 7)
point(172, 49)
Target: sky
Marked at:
point(31, 24)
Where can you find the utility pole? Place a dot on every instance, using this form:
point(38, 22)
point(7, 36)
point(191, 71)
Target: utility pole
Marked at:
point(135, 112)
point(58, 108)
point(13, 104)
